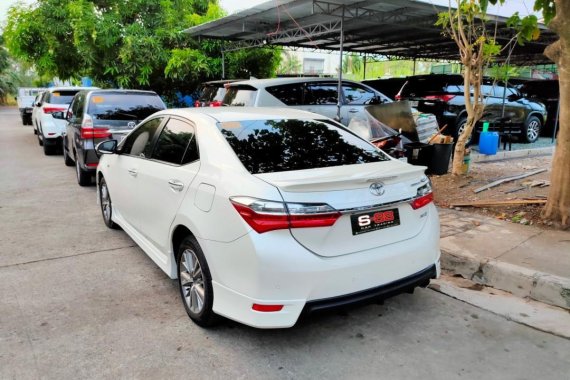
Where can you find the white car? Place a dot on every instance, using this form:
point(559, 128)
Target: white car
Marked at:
point(49, 130)
point(266, 214)
point(318, 95)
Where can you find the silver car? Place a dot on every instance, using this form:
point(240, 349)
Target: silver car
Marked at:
point(318, 95)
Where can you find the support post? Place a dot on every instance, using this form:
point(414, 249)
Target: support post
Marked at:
point(364, 64)
point(223, 65)
point(339, 92)
point(556, 121)
point(414, 66)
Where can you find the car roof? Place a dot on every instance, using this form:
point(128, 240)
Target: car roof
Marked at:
point(120, 91)
point(64, 88)
point(261, 83)
point(223, 114)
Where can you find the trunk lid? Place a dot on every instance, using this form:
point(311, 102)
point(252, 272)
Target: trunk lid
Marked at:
point(348, 189)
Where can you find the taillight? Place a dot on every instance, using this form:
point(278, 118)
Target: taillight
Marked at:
point(95, 133)
point(215, 103)
point(423, 197)
point(197, 103)
point(444, 97)
point(264, 216)
point(51, 110)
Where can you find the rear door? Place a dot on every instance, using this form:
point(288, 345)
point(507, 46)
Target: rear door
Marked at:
point(356, 97)
point(321, 98)
point(164, 180)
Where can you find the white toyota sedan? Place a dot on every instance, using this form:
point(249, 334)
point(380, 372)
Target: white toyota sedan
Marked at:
point(267, 214)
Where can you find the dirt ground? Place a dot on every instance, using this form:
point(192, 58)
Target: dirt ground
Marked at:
point(449, 189)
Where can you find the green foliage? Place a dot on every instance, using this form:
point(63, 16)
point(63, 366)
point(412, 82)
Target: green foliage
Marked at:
point(127, 43)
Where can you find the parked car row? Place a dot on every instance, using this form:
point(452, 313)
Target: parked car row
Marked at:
point(506, 108)
point(264, 215)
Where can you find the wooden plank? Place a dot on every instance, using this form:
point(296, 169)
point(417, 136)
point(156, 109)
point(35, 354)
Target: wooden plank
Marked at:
point(508, 179)
point(490, 203)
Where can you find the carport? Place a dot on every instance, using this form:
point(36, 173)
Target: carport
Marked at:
point(392, 29)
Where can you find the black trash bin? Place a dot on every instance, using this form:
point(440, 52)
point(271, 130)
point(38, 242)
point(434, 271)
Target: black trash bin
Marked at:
point(419, 153)
point(439, 163)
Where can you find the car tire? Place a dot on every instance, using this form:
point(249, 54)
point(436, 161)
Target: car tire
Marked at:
point(39, 140)
point(531, 129)
point(49, 149)
point(68, 161)
point(459, 127)
point(83, 176)
point(195, 283)
point(106, 205)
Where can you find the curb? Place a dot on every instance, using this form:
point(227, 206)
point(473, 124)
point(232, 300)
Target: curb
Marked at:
point(520, 281)
point(505, 155)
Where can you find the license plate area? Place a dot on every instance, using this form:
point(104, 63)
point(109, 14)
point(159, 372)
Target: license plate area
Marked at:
point(413, 103)
point(374, 220)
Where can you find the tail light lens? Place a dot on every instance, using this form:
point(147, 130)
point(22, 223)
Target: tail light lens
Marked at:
point(197, 103)
point(88, 131)
point(267, 308)
point(95, 133)
point(424, 196)
point(51, 110)
point(264, 216)
point(216, 103)
point(444, 97)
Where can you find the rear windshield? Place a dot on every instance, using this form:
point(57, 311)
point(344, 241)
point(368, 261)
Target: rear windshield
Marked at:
point(267, 146)
point(212, 93)
point(61, 97)
point(240, 96)
point(422, 86)
point(109, 106)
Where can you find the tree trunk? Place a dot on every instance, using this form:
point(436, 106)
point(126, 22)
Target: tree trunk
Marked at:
point(558, 205)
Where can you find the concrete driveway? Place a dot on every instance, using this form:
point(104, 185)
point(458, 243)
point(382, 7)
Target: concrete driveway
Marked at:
point(79, 301)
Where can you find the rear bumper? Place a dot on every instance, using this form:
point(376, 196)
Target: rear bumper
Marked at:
point(392, 289)
point(274, 269)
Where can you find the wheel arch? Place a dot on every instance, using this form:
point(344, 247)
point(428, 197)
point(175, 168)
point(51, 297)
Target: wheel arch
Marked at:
point(538, 115)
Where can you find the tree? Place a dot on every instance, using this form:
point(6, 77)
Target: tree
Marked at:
point(290, 64)
point(556, 15)
point(352, 64)
point(473, 42)
point(126, 43)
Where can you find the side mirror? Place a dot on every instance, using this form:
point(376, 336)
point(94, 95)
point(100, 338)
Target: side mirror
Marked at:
point(106, 147)
point(58, 115)
point(38, 104)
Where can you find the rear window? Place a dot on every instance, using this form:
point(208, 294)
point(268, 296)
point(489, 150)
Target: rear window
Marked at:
point(240, 96)
point(109, 106)
point(422, 86)
point(267, 146)
point(212, 93)
point(61, 97)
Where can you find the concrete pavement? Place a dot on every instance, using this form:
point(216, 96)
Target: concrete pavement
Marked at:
point(524, 260)
point(78, 300)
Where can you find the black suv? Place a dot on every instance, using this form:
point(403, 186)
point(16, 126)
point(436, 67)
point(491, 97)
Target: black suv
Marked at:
point(99, 115)
point(442, 95)
point(546, 91)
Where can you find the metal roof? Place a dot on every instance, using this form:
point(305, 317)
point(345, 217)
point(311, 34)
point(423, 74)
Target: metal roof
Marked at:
point(397, 29)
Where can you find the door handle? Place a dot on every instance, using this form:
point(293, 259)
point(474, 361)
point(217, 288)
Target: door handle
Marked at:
point(133, 172)
point(353, 110)
point(176, 185)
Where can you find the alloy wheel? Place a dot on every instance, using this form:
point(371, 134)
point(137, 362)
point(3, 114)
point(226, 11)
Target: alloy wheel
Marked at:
point(105, 202)
point(460, 130)
point(533, 130)
point(192, 281)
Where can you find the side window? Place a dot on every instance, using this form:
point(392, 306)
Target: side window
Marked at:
point(139, 142)
point(79, 102)
point(320, 93)
point(357, 95)
point(290, 94)
point(173, 141)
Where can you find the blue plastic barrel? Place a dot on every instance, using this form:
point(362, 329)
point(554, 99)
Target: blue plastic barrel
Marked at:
point(488, 143)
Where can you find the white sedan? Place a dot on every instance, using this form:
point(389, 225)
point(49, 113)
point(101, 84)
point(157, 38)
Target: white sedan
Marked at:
point(267, 214)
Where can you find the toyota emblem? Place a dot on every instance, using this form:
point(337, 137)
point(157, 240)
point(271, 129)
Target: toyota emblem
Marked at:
point(377, 189)
point(131, 124)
